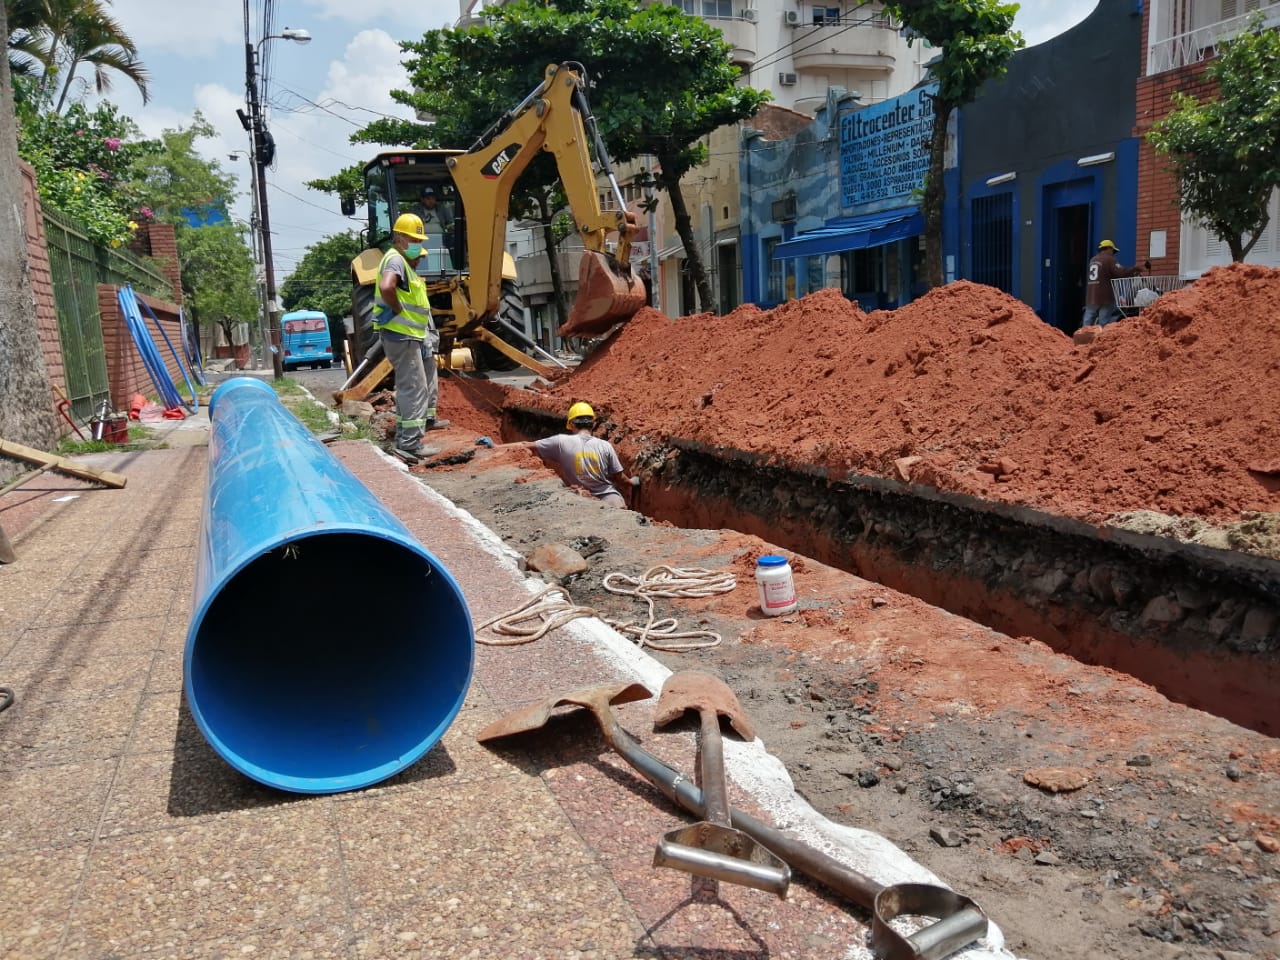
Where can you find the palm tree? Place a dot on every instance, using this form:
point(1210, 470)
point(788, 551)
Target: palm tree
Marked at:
point(27, 53)
point(63, 35)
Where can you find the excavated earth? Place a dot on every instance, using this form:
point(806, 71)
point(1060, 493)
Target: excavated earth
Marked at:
point(1038, 643)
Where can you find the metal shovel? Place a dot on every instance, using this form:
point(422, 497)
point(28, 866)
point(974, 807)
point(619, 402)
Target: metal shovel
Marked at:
point(713, 848)
point(959, 920)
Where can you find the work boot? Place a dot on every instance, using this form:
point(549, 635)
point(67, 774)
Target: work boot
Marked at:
point(415, 454)
point(436, 424)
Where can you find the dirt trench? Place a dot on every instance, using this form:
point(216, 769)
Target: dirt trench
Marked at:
point(1195, 623)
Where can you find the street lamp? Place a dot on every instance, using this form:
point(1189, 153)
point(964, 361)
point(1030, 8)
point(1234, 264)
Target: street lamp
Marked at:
point(262, 151)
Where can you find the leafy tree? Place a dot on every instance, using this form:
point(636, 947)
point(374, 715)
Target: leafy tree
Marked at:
point(174, 184)
point(217, 275)
point(59, 37)
point(319, 282)
point(661, 81)
point(975, 40)
point(82, 159)
point(1225, 152)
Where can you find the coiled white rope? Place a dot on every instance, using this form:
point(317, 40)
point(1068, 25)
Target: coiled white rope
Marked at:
point(548, 611)
point(543, 613)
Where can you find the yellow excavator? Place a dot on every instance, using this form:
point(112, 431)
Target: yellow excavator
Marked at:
point(463, 197)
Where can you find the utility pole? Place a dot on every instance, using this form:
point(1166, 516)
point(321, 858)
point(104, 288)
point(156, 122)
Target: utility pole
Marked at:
point(259, 146)
point(262, 152)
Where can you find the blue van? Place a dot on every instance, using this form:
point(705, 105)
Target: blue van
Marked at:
point(304, 338)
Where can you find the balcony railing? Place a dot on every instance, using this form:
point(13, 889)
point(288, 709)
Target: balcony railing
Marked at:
point(1197, 45)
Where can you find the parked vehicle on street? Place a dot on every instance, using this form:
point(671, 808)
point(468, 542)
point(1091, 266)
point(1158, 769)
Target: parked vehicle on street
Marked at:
point(304, 338)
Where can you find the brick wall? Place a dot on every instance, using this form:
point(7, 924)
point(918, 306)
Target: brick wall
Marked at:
point(163, 246)
point(126, 372)
point(1158, 207)
point(46, 315)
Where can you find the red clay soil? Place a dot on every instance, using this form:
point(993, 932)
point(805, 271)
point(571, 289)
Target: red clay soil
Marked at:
point(967, 390)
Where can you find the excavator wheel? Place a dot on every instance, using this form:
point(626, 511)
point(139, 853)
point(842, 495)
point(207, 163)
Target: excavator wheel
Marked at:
point(608, 294)
point(363, 335)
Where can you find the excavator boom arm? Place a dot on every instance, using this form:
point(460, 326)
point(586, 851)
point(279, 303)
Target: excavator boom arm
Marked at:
point(548, 119)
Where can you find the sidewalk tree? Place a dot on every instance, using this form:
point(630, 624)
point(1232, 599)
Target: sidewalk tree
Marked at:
point(975, 40)
point(26, 400)
point(1225, 152)
point(172, 183)
point(661, 80)
point(318, 282)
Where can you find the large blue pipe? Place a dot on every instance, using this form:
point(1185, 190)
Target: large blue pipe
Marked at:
point(328, 649)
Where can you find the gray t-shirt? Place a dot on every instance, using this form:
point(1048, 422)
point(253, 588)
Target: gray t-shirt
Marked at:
point(583, 460)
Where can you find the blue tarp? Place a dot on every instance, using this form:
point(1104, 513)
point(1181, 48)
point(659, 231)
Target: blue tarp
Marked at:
point(854, 233)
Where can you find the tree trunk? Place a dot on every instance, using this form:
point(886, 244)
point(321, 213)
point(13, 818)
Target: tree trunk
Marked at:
point(546, 219)
point(684, 227)
point(935, 194)
point(26, 396)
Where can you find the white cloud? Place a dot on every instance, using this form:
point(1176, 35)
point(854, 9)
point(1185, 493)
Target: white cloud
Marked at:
point(1041, 20)
point(411, 20)
point(157, 27)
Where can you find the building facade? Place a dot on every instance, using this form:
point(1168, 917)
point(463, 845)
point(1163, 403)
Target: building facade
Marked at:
point(1179, 38)
point(1049, 165)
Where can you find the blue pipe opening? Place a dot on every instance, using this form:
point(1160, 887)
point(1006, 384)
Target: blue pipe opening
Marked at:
point(329, 650)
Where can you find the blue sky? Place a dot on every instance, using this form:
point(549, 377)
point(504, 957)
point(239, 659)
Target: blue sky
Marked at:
point(320, 92)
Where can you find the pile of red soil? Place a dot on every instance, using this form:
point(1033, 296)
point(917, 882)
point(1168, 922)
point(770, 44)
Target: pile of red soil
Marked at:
point(967, 390)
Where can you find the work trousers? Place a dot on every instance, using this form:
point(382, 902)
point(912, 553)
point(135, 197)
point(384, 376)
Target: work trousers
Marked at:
point(417, 389)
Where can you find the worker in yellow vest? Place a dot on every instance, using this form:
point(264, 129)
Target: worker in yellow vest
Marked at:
point(402, 319)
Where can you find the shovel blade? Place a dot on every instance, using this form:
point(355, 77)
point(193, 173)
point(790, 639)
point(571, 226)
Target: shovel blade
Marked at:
point(535, 716)
point(722, 853)
point(696, 690)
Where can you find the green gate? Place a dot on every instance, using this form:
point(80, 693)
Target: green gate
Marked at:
point(77, 265)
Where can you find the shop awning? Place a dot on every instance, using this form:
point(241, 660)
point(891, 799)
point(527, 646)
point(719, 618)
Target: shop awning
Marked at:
point(854, 233)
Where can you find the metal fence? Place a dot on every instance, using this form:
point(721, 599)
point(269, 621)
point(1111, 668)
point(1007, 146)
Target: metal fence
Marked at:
point(77, 265)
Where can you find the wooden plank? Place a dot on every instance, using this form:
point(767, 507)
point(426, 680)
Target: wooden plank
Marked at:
point(370, 383)
point(22, 452)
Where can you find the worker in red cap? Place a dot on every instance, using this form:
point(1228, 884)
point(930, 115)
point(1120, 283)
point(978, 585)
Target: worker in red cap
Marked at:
point(1099, 298)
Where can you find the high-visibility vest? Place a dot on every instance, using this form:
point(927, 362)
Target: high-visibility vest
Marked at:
point(414, 319)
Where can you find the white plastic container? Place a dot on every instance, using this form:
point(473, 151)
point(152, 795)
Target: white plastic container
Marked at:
point(776, 588)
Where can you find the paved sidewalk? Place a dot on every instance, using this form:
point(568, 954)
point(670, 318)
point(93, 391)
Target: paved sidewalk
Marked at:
point(122, 834)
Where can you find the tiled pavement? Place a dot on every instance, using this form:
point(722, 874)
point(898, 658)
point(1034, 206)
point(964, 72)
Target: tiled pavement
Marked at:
point(122, 833)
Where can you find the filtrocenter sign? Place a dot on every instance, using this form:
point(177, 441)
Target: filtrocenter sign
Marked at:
point(884, 150)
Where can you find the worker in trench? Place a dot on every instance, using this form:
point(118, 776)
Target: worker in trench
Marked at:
point(583, 460)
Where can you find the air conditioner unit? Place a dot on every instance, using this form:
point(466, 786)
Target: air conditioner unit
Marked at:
point(787, 79)
point(784, 209)
point(792, 18)
point(749, 15)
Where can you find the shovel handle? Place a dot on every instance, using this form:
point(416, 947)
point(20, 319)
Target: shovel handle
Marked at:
point(715, 795)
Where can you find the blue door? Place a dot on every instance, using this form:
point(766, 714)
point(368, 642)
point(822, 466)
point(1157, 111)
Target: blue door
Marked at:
point(1068, 209)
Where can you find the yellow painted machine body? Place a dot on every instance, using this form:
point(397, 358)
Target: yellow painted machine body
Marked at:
point(470, 275)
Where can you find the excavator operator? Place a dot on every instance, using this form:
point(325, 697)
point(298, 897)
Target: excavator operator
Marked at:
point(402, 319)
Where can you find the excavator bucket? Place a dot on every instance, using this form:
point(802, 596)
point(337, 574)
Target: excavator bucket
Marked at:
point(605, 297)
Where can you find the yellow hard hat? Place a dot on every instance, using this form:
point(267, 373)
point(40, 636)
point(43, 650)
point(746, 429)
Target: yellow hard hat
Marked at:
point(410, 224)
point(579, 409)
point(1107, 245)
